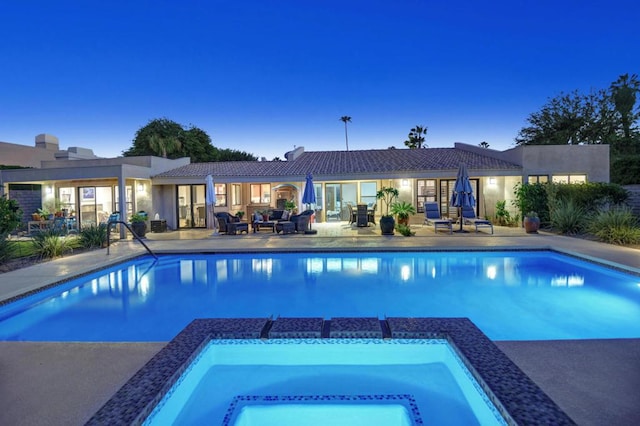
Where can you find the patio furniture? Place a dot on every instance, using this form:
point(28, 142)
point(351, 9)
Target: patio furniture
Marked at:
point(371, 214)
point(286, 227)
point(234, 228)
point(469, 217)
point(362, 215)
point(302, 220)
point(432, 217)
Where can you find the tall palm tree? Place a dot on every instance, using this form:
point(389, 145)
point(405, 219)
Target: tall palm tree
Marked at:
point(416, 137)
point(346, 119)
point(624, 91)
point(484, 144)
point(163, 146)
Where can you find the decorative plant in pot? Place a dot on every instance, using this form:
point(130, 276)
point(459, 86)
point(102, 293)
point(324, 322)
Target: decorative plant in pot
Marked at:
point(387, 223)
point(531, 222)
point(139, 224)
point(290, 206)
point(403, 210)
point(240, 214)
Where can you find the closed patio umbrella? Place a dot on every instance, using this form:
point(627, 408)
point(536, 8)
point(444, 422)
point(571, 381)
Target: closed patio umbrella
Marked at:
point(212, 221)
point(462, 193)
point(309, 194)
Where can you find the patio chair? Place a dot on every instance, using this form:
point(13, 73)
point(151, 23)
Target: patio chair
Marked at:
point(302, 220)
point(469, 217)
point(225, 218)
point(432, 217)
point(371, 214)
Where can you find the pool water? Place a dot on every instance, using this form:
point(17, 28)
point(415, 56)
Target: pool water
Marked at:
point(510, 295)
point(326, 381)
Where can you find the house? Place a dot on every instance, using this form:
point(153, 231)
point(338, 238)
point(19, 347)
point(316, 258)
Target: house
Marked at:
point(175, 189)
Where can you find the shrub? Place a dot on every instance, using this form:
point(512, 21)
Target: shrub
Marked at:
point(626, 170)
point(93, 236)
point(10, 215)
point(617, 225)
point(568, 218)
point(532, 197)
point(503, 217)
point(6, 248)
point(405, 230)
point(50, 244)
point(589, 196)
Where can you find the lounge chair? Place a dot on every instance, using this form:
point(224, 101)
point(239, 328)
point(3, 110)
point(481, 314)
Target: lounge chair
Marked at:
point(301, 220)
point(470, 218)
point(432, 217)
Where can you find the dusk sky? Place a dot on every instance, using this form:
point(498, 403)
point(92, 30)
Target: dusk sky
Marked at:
point(264, 76)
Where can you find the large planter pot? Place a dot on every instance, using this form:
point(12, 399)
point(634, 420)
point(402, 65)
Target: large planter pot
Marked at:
point(387, 225)
point(531, 225)
point(140, 228)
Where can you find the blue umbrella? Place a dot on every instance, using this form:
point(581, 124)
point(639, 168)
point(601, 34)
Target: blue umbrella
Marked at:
point(212, 222)
point(309, 194)
point(462, 192)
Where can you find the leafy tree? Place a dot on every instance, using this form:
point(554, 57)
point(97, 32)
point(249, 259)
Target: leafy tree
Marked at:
point(346, 119)
point(169, 139)
point(416, 137)
point(10, 215)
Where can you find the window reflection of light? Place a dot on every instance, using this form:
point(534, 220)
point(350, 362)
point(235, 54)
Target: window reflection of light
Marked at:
point(567, 281)
point(186, 271)
point(221, 270)
point(262, 266)
point(314, 265)
point(350, 265)
point(94, 287)
point(492, 272)
point(370, 265)
point(433, 272)
point(144, 288)
point(405, 272)
point(334, 265)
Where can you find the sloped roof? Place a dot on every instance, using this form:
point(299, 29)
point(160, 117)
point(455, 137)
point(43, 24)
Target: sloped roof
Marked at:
point(349, 162)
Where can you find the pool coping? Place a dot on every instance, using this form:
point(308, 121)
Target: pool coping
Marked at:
point(515, 395)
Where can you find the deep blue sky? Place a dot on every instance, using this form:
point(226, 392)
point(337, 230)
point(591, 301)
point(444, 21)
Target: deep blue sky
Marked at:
point(265, 76)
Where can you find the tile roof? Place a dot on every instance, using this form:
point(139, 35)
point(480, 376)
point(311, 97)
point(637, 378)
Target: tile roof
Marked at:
point(349, 162)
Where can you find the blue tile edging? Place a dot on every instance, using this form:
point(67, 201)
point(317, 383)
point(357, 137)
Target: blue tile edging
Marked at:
point(514, 394)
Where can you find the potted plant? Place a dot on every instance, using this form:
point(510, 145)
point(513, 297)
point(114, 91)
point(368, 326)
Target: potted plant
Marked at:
point(403, 210)
point(139, 224)
point(290, 206)
point(387, 223)
point(240, 214)
point(531, 222)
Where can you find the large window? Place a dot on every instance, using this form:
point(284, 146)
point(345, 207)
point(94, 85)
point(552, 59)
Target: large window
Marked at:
point(426, 192)
point(368, 193)
point(538, 179)
point(236, 195)
point(191, 206)
point(569, 178)
point(221, 194)
point(261, 193)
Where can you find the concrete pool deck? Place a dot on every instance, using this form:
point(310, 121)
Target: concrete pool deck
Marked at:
point(595, 381)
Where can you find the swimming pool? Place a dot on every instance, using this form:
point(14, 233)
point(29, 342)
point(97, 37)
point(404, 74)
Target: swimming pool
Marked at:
point(539, 295)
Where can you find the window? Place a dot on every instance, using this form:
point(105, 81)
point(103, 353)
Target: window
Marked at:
point(221, 194)
point(538, 179)
point(368, 193)
point(426, 192)
point(261, 193)
point(569, 178)
point(236, 195)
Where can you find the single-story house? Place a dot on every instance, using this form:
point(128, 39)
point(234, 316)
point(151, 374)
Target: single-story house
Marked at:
point(175, 191)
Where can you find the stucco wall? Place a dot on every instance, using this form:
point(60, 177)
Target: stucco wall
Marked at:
point(592, 160)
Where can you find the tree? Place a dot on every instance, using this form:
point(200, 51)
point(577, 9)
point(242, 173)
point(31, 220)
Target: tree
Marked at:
point(416, 137)
point(484, 144)
point(169, 139)
point(162, 145)
point(623, 93)
point(346, 119)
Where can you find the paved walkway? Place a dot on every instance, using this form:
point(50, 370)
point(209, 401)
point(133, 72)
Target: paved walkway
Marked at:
point(595, 381)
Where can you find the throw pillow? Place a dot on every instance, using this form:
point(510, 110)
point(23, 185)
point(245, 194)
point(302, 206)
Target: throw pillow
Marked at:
point(285, 215)
point(257, 217)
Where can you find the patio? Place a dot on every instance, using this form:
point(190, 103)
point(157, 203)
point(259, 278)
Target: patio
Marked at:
point(594, 381)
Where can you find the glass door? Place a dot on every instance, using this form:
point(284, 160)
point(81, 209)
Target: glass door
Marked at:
point(192, 210)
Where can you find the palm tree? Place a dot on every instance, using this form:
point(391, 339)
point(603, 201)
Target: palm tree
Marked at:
point(624, 91)
point(346, 119)
point(164, 146)
point(416, 137)
point(484, 144)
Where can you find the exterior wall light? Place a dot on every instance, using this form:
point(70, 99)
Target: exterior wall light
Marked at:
point(141, 187)
point(405, 183)
point(492, 181)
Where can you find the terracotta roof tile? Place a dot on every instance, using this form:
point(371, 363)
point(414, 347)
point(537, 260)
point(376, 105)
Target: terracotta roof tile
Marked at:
point(349, 162)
